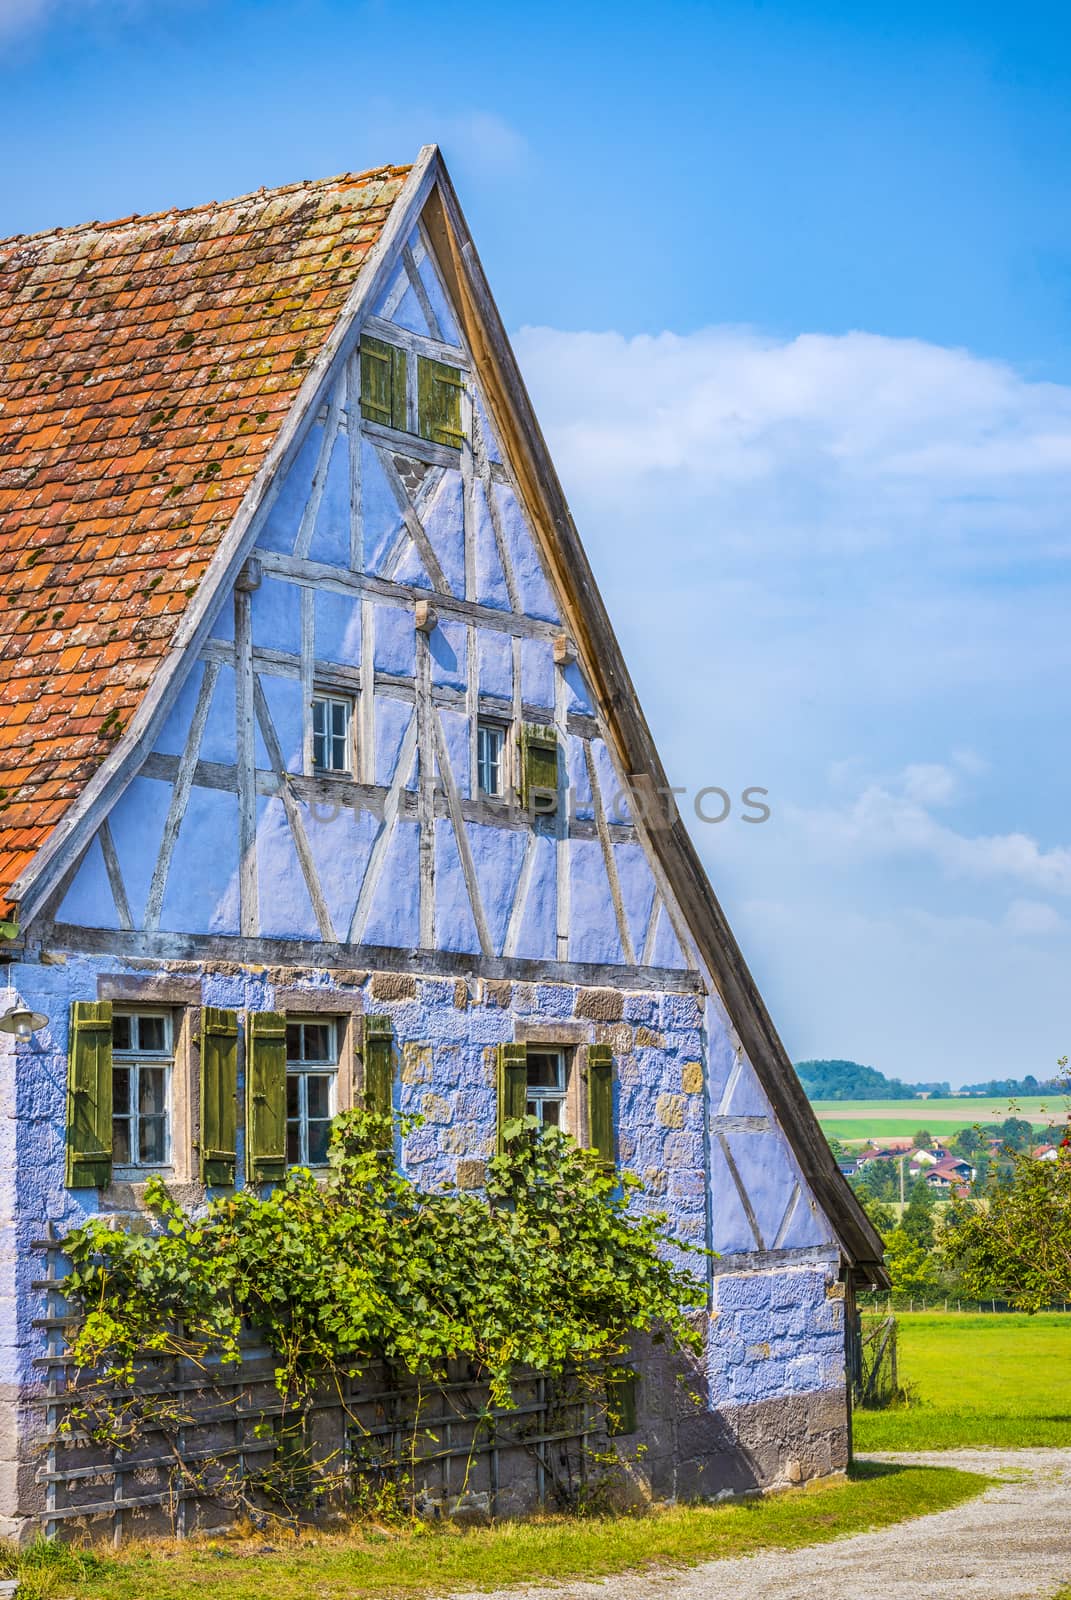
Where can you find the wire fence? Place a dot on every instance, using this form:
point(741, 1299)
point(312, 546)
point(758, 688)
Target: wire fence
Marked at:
point(888, 1303)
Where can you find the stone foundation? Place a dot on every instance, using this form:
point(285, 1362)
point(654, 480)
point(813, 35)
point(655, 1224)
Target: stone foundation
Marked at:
point(695, 1449)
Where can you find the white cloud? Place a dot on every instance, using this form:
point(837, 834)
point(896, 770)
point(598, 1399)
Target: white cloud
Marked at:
point(892, 819)
point(1030, 919)
point(930, 783)
point(829, 557)
point(822, 442)
point(17, 15)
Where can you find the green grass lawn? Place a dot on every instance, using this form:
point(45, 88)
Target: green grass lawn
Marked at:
point(978, 1380)
point(857, 1130)
point(432, 1560)
point(856, 1120)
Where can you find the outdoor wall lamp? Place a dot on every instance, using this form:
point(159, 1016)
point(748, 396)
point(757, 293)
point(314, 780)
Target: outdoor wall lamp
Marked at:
point(21, 1022)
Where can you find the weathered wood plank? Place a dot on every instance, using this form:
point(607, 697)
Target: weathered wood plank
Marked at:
point(602, 828)
point(180, 794)
point(366, 737)
point(307, 526)
point(115, 876)
point(249, 915)
point(417, 285)
point(322, 956)
point(293, 815)
point(464, 847)
point(381, 842)
point(413, 523)
point(425, 791)
point(450, 605)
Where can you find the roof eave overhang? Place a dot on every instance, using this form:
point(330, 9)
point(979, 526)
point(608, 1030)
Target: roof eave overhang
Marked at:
point(716, 948)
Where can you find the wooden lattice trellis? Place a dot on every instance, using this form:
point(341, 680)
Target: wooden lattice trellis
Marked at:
point(209, 1433)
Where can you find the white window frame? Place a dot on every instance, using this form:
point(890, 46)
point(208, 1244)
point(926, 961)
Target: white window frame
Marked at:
point(537, 1098)
point(484, 726)
point(331, 701)
point(299, 1069)
point(133, 1060)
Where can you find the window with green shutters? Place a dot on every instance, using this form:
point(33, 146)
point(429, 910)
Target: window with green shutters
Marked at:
point(600, 1071)
point(89, 1095)
point(383, 383)
point(219, 1095)
point(539, 769)
point(378, 1065)
point(265, 1097)
point(512, 1086)
point(439, 391)
point(439, 386)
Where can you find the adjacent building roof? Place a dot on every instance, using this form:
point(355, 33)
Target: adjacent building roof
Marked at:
point(146, 366)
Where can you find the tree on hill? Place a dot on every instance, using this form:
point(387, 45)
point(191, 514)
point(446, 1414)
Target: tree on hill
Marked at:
point(849, 1080)
point(923, 1139)
point(1015, 1133)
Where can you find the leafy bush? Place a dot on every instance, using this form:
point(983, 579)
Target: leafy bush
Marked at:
point(548, 1268)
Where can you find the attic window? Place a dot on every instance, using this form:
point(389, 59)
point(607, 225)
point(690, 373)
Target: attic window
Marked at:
point(383, 383)
point(439, 390)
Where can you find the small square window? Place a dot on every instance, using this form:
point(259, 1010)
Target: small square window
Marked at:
point(490, 751)
point(332, 720)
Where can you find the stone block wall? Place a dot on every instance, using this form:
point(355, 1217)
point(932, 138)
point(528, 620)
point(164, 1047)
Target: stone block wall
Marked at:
point(770, 1389)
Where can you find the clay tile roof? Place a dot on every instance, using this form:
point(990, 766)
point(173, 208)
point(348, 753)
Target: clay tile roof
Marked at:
point(146, 366)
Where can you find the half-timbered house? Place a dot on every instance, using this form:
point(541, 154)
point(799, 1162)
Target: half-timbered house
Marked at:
point(323, 777)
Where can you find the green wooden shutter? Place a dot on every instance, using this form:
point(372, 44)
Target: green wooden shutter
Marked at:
point(621, 1401)
point(383, 374)
point(265, 1097)
point(219, 1095)
point(89, 1095)
point(439, 390)
point(539, 768)
point(512, 1086)
point(601, 1101)
point(378, 1065)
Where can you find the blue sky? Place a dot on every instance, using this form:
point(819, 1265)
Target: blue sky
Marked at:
point(791, 284)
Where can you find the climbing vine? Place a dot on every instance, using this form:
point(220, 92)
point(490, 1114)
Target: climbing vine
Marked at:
point(548, 1270)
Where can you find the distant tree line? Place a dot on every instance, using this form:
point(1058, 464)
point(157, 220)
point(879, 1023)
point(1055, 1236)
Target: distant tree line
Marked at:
point(1012, 1088)
point(850, 1080)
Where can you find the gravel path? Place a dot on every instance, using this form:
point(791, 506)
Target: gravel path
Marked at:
point(1012, 1543)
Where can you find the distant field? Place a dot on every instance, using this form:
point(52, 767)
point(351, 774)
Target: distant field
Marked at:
point(978, 1380)
point(876, 1119)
